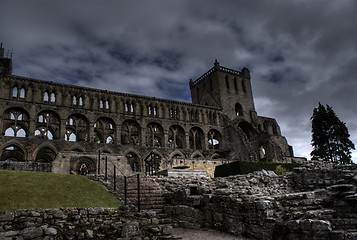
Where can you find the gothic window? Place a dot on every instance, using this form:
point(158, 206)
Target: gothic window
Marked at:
point(214, 139)
point(48, 125)
point(176, 137)
point(153, 111)
point(53, 97)
point(105, 130)
point(131, 133)
point(129, 107)
point(243, 86)
point(13, 153)
point(77, 128)
point(235, 84)
point(16, 122)
point(80, 101)
point(14, 92)
point(46, 155)
point(227, 82)
point(196, 138)
point(74, 101)
point(173, 113)
point(154, 135)
point(134, 161)
point(45, 97)
point(101, 104)
point(22, 93)
point(239, 110)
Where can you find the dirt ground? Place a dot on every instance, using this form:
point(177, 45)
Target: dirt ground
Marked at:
point(204, 234)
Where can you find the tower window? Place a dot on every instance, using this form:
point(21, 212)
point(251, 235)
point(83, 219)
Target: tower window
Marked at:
point(227, 82)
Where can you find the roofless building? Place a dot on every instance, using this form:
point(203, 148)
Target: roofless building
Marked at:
point(63, 127)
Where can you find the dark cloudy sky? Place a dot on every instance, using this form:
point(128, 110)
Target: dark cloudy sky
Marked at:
point(299, 52)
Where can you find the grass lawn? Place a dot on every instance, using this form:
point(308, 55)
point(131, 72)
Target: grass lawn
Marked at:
point(20, 189)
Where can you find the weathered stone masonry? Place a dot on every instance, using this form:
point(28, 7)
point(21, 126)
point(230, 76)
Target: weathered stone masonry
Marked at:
point(68, 125)
point(315, 202)
point(81, 223)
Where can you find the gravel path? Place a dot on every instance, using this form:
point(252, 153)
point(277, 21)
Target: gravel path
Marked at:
point(204, 234)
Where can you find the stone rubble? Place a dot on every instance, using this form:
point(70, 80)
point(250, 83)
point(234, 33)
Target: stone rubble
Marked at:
point(315, 201)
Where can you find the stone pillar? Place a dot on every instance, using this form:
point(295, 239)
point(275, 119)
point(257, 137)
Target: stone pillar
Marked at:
point(187, 138)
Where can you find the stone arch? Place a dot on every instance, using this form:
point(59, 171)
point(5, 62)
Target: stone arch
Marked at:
point(16, 122)
point(154, 135)
point(216, 156)
point(77, 128)
point(196, 155)
point(248, 129)
point(83, 165)
point(105, 149)
point(13, 151)
point(76, 148)
point(131, 133)
point(46, 155)
point(196, 138)
point(176, 153)
point(214, 139)
point(45, 145)
point(134, 161)
point(48, 124)
point(153, 162)
point(176, 137)
point(105, 130)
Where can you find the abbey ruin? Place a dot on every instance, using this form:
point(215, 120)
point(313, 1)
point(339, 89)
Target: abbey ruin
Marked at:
point(69, 126)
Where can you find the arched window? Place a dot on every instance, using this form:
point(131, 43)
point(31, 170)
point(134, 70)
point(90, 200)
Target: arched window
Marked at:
point(196, 138)
point(105, 130)
point(154, 135)
point(131, 133)
point(22, 93)
point(244, 86)
point(77, 127)
point(235, 84)
point(16, 119)
point(53, 97)
point(214, 139)
point(45, 97)
point(239, 110)
point(134, 162)
point(176, 137)
point(227, 82)
point(13, 153)
point(14, 92)
point(48, 125)
point(74, 101)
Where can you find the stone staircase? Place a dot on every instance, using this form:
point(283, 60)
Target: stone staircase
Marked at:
point(151, 195)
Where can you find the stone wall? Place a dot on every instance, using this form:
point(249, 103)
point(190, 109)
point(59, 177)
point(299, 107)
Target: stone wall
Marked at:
point(314, 202)
point(75, 223)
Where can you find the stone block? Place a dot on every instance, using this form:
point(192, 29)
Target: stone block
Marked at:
point(32, 232)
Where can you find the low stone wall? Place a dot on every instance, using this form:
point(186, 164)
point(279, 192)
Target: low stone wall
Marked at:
point(315, 203)
point(26, 166)
point(75, 223)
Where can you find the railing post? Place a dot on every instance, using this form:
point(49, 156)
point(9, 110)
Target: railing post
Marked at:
point(115, 178)
point(125, 191)
point(106, 169)
point(98, 162)
point(138, 182)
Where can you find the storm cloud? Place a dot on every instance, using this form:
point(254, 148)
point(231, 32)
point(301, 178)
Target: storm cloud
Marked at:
point(299, 52)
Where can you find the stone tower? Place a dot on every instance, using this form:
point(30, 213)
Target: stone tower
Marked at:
point(5, 63)
point(227, 89)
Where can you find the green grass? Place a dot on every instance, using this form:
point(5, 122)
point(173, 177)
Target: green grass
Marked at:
point(20, 190)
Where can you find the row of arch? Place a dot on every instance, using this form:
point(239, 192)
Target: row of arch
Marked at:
point(122, 105)
point(46, 153)
point(48, 125)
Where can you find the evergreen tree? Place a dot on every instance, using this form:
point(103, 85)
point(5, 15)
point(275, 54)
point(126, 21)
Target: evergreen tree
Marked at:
point(330, 137)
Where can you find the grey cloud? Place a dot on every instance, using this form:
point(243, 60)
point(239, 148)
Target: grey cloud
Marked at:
point(299, 52)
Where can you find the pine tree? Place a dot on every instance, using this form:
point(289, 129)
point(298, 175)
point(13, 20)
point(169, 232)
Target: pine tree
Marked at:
point(330, 137)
